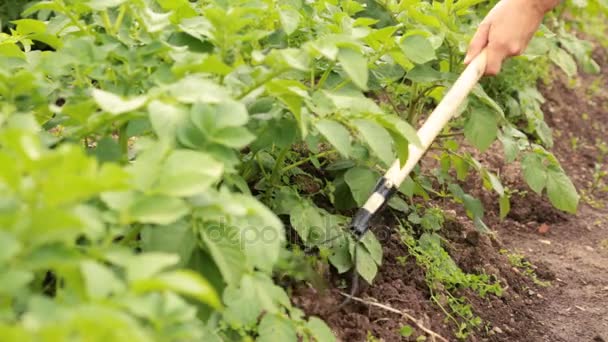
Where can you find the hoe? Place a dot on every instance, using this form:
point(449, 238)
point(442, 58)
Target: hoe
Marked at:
point(390, 182)
point(396, 174)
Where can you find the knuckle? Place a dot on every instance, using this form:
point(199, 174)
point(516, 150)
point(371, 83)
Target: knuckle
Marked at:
point(490, 73)
point(493, 70)
point(514, 49)
point(502, 45)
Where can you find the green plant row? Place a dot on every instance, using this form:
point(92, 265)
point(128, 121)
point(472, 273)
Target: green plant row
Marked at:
point(155, 153)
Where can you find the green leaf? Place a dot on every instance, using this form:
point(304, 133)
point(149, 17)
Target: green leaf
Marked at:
point(115, 104)
point(158, 209)
point(406, 331)
point(366, 266)
point(42, 5)
point(146, 168)
point(407, 187)
point(340, 256)
point(100, 5)
point(510, 147)
point(319, 330)
point(402, 147)
point(276, 328)
point(461, 5)
point(355, 65)
point(487, 100)
point(544, 132)
point(505, 206)
point(290, 19)
point(481, 128)
point(336, 134)
point(395, 125)
point(11, 50)
point(304, 219)
point(563, 60)
point(261, 232)
point(423, 74)
point(561, 191)
point(398, 204)
point(154, 21)
point(187, 173)
point(29, 26)
point(108, 150)
point(235, 137)
point(256, 294)
point(9, 246)
point(535, 172)
point(373, 246)
point(177, 238)
point(350, 100)
point(184, 282)
point(209, 118)
point(207, 91)
point(361, 182)
point(418, 49)
point(222, 242)
point(378, 139)
point(14, 281)
point(146, 265)
point(243, 307)
point(461, 166)
point(495, 182)
point(101, 282)
point(165, 119)
point(293, 58)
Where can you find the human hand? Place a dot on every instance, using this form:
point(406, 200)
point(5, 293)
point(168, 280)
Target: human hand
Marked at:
point(507, 30)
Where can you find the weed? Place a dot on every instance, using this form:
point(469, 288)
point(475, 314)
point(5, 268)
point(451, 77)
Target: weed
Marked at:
point(371, 338)
point(574, 143)
point(528, 269)
point(444, 279)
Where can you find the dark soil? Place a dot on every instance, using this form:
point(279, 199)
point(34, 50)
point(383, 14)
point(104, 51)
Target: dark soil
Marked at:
point(569, 251)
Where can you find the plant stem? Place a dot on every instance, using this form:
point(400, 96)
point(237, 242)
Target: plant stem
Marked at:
point(276, 172)
point(106, 22)
point(131, 235)
point(260, 165)
point(325, 75)
point(306, 160)
point(73, 18)
point(121, 15)
point(451, 56)
point(393, 104)
point(412, 105)
point(260, 83)
point(123, 141)
point(341, 85)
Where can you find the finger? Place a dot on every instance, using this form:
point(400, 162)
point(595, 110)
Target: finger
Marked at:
point(479, 41)
point(496, 55)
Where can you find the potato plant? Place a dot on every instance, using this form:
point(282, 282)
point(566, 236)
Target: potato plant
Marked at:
point(154, 152)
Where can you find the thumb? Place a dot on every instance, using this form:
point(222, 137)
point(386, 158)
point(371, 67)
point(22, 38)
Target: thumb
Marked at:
point(479, 41)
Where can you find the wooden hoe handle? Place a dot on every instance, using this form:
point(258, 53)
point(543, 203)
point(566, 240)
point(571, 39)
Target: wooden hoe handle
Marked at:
point(435, 123)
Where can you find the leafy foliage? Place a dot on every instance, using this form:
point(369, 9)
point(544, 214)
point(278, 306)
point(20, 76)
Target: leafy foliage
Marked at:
point(153, 152)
